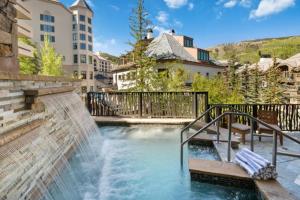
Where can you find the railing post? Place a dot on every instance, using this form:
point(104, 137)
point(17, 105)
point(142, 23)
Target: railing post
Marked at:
point(229, 138)
point(195, 105)
point(207, 120)
point(274, 153)
point(181, 154)
point(140, 104)
point(255, 116)
point(218, 112)
point(252, 135)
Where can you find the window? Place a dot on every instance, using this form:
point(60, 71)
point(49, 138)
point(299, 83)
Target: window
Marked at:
point(83, 59)
point(89, 20)
point(90, 29)
point(47, 28)
point(75, 74)
point(91, 76)
point(74, 17)
point(47, 18)
point(95, 63)
point(82, 46)
point(51, 38)
point(83, 74)
point(82, 27)
point(75, 59)
point(90, 38)
point(188, 42)
point(74, 27)
point(90, 47)
point(75, 46)
point(82, 37)
point(91, 88)
point(75, 36)
point(90, 60)
point(203, 55)
point(83, 89)
point(82, 18)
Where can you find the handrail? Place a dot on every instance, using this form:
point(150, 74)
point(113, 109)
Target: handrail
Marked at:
point(275, 132)
point(202, 115)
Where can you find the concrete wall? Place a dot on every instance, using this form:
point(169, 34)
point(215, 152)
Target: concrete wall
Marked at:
point(26, 135)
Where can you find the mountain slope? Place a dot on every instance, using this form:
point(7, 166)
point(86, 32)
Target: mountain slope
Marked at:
point(248, 51)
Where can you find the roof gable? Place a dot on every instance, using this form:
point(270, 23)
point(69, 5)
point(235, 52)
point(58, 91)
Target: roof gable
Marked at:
point(81, 3)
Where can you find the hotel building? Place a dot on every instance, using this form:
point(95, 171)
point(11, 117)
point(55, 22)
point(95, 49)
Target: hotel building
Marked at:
point(69, 30)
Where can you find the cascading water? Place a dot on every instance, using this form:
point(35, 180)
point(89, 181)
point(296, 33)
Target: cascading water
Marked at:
point(32, 162)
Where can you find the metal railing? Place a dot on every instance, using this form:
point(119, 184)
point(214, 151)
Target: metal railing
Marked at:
point(252, 119)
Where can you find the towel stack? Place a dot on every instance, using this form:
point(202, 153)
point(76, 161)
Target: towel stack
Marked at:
point(256, 166)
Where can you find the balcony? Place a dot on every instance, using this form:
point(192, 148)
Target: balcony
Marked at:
point(24, 29)
point(22, 12)
point(25, 50)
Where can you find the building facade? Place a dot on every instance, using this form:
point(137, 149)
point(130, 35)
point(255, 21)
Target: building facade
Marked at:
point(168, 49)
point(70, 31)
point(103, 74)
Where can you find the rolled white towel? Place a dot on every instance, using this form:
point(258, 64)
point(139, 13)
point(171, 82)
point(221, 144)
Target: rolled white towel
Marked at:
point(253, 165)
point(248, 168)
point(256, 156)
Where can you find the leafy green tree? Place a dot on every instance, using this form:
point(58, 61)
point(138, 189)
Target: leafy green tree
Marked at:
point(29, 65)
point(51, 62)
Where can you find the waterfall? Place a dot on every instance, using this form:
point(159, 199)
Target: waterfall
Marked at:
point(32, 162)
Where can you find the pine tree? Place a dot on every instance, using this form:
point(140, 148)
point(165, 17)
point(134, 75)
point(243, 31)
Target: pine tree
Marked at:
point(245, 78)
point(51, 62)
point(145, 66)
point(255, 84)
point(273, 92)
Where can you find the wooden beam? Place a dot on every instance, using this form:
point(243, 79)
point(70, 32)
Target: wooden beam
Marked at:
point(5, 38)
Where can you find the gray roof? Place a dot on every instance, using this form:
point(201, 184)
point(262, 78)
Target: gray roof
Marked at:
point(81, 3)
point(166, 47)
point(293, 63)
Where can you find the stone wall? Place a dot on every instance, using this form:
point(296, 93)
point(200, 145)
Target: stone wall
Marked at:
point(31, 141)
point(8, 36)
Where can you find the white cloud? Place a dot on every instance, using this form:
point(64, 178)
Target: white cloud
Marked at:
point(269, 7)
point(178, 23)
point(233, 3)
point(191, 6)
point(116, 8)
point(161, 29)
point(162, 17)
point(176, 3)
point(230, 4)
point(104, 45)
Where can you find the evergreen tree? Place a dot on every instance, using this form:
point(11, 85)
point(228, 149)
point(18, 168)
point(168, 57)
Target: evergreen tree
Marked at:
point(146, 73)
point(273, 92)
point(255, 84)
point(245, 78)
point(51, 62)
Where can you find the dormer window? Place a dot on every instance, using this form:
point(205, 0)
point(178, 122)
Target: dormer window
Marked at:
point(203, 55)
point(188, 42)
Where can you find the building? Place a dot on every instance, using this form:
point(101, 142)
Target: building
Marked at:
point(103, 74)
point(168, 48)
point(70, 31)
point(10, 48)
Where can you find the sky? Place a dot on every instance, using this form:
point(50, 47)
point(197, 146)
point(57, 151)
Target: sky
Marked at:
point(209, 22)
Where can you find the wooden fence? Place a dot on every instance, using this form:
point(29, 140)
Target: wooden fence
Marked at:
point(288, 114)
point(148, 104)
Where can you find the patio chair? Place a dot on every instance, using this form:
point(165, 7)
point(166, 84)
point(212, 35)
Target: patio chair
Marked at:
point(269, 117)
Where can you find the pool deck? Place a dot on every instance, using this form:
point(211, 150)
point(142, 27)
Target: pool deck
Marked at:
point(123, 120)
point(271, 189)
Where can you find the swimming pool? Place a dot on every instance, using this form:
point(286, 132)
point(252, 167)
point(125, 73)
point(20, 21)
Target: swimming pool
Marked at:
point(136, 163)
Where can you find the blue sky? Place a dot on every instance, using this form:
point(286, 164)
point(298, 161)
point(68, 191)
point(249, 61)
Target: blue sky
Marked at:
point(209, 22)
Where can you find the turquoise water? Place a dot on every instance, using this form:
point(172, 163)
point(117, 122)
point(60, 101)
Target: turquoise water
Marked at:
point(137, 163)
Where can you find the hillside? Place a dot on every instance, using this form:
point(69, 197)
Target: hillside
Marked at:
point(112, 58)
point(248, 51)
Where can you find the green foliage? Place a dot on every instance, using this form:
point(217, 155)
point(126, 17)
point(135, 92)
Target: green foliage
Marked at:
point(218, 90)
point(29, 65)
point(247, 52)
point(51, 62)
point(255, 82)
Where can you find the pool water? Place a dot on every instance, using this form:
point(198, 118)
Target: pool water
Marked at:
point(137, 163)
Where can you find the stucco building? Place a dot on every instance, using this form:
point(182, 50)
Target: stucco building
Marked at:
point(70, 31)
point(168, 48)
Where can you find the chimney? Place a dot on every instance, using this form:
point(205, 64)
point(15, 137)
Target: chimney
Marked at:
point(149, 34)
point(173, 32)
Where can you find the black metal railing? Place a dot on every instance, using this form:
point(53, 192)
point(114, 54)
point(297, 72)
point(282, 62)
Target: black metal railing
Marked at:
point(148, 104)
point(288, 114)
